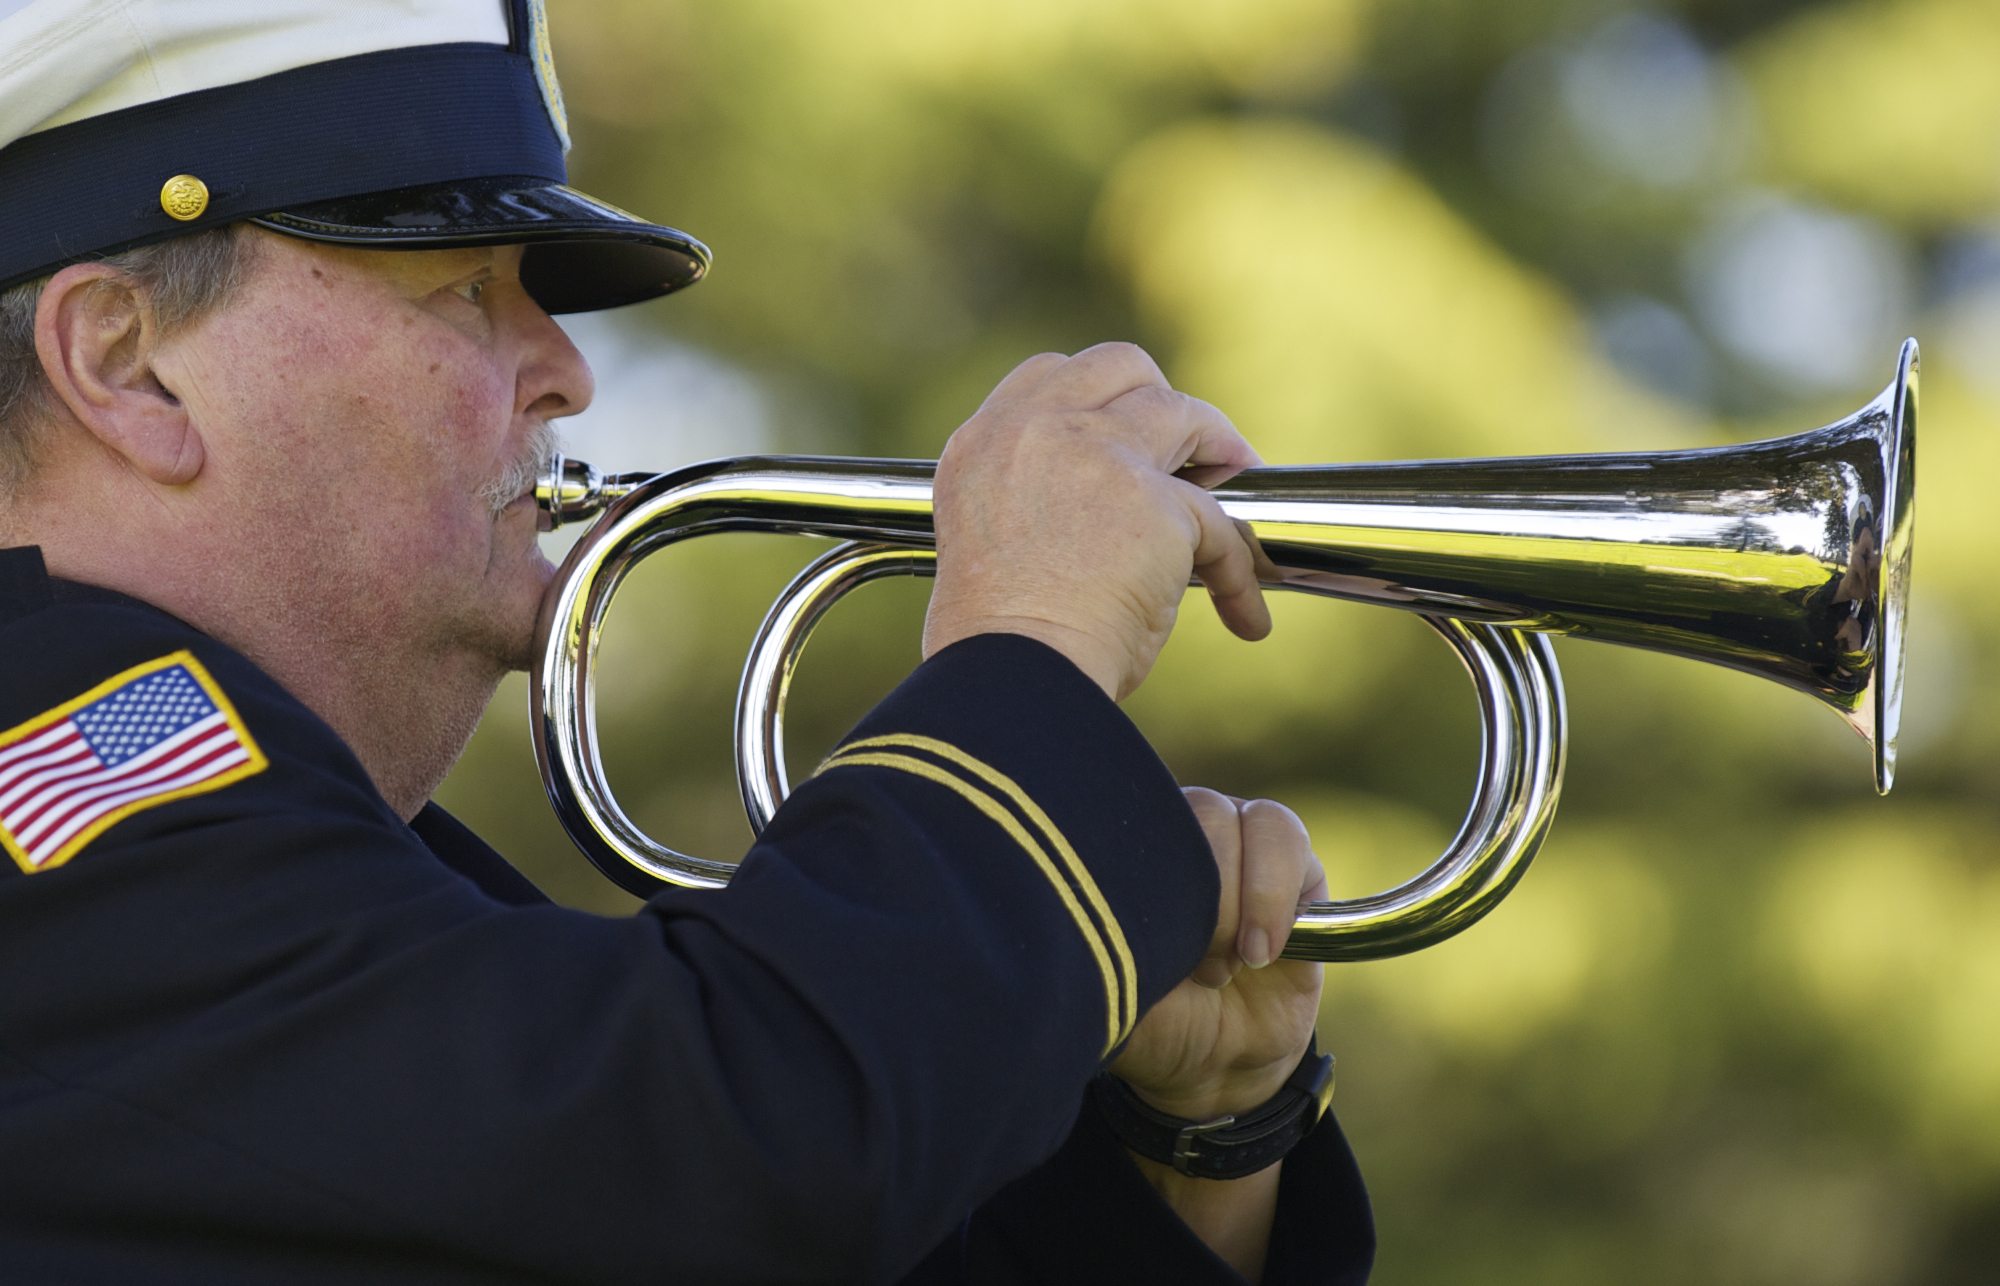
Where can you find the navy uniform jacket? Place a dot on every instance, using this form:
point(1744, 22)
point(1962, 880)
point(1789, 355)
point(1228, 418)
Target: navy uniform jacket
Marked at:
point(254, 1028)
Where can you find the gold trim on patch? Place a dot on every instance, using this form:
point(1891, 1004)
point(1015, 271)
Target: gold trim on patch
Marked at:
point(21, 732)
point(184, 197)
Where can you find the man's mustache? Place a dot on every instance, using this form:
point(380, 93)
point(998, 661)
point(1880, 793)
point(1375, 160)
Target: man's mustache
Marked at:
point(526, 470)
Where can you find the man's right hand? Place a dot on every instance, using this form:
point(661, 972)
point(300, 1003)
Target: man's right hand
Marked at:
point(1070, 508)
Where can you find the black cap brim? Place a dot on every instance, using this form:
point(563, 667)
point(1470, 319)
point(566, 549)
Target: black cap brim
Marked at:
point(582, 254)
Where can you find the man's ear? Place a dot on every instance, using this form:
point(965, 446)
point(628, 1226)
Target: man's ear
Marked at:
point(96, 333)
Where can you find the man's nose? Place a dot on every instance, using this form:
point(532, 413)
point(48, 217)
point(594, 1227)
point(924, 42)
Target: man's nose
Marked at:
point(554, 380)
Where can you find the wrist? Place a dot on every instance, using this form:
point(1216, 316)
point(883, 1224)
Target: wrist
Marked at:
point(1209, 1144)
point(1232, 1216)
point(1231, 1093)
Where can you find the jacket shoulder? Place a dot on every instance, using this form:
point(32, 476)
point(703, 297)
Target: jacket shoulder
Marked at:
point(111, 710)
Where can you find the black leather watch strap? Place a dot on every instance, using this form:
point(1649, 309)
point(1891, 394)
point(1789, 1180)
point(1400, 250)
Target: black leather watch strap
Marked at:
point(1227, 1147)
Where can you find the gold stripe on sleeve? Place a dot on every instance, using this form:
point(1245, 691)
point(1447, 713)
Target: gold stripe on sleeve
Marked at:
point(1079, 874)
point(1115, 1020)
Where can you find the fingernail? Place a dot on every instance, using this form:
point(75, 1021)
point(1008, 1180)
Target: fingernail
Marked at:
point(1256, 948)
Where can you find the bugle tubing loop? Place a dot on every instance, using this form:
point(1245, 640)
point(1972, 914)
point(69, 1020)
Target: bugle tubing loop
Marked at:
point(1788, 559)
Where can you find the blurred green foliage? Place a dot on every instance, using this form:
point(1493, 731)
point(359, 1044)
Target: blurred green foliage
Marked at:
point(1739, 1024)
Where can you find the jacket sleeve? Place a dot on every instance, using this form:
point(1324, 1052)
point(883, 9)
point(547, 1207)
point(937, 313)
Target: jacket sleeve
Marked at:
point(1086, 1215)
point(282, 1031)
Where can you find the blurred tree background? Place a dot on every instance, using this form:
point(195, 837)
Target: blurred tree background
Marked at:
point(1739, 1024)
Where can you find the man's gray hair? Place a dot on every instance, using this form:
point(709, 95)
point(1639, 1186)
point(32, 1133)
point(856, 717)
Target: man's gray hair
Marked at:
point(184, 278)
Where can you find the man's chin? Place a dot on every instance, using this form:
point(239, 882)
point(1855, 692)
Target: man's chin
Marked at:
point(520, 616)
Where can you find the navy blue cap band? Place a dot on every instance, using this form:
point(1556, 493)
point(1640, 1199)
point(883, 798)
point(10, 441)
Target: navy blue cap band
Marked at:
point(371, 123)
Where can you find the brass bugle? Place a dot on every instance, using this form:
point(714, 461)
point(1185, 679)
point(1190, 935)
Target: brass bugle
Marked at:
point(1787, 558)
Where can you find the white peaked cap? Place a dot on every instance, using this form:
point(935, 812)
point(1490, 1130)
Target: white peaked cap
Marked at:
point(399, 124)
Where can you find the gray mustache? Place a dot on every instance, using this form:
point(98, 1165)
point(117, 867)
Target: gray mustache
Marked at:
point(526, 470)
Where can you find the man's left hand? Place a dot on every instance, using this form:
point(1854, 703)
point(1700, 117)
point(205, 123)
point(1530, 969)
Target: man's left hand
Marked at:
point(1226, 1039)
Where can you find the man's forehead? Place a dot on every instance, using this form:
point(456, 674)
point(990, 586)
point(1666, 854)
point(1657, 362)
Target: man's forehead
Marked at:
point(416, 266)
point(454, 259)
point(405, 273)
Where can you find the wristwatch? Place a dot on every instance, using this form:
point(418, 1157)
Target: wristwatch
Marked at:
point(1227, 1147)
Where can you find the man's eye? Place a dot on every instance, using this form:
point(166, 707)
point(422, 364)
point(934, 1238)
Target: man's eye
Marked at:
point(471, 292)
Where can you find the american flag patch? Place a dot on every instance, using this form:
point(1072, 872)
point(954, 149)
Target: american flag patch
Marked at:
point(156, 733)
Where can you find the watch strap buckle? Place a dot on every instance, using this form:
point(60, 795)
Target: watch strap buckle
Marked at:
point(1186, 1149)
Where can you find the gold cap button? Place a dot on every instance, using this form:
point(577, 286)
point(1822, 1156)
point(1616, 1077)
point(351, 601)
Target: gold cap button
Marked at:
point(184, 197)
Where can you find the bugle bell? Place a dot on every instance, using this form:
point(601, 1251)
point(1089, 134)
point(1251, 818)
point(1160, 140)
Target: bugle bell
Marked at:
point(1786, 558)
